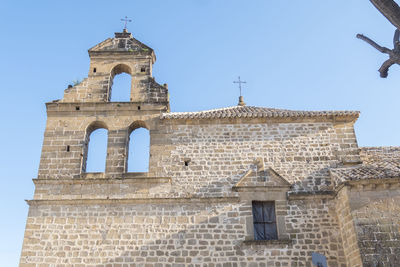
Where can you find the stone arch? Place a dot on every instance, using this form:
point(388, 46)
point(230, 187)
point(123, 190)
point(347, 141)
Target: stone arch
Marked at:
point(93, 126)
point(121, 68)
point(138, 153)
point(116, 70)
point(137, 124)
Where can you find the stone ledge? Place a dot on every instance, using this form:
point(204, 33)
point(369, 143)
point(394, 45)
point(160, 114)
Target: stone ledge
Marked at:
point(105, 175)
point(311, 195)
point(140, 179)
point(270, 243)
point(131, 201)
point(58, 107)
point(375, 181)
point(260, 188)
point(371, 184)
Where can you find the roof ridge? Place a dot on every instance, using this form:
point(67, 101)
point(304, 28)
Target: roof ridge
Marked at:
point(253, 112)
point(379, 147)
point(209, 110)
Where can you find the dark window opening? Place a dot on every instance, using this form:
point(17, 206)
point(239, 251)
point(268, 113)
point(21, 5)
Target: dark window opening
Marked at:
point(138, 107)
point(143, 69)
point(77, 108)
point(68, 148)
point(186, 161)
point(94, 69)
point(264, 220)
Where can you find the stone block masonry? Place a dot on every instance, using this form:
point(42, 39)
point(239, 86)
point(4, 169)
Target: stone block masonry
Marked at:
point(168, 233)
point(376, 213)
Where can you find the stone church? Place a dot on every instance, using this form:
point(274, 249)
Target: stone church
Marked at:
point(235, 186)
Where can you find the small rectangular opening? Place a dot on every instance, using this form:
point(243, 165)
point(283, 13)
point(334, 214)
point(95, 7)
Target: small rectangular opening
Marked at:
point(138, 107)
point(94, 69)
point(143, 69)
point(77, 108)
point(68, 148)
point(186, 162)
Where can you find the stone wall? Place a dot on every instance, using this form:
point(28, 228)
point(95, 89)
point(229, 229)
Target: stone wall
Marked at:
point(184, 211)
point(196, 232)
point(375, 208)
point(220, 153)
point(348, 229)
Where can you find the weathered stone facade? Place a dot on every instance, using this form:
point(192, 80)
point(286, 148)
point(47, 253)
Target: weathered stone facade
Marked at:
point(194, 205)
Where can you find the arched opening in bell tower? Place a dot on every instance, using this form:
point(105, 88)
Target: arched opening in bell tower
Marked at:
point(120, 84)
point(138, 148)
point(95, 148)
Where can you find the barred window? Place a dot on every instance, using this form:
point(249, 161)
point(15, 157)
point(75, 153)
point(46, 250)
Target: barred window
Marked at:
point(264, 220)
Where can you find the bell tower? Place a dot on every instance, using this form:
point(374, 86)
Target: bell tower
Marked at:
point(87, 106)
point(121, 54)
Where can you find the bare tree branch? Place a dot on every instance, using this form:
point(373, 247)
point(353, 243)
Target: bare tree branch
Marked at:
point(384, 69)
point(394, 54)
point(389, 9)
point(381, 49)
point(396, 38)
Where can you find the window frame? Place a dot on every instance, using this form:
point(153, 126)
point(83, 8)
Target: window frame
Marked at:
point(271, 223)
point(281, 213)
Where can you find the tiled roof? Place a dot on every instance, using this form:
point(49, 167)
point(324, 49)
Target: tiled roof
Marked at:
point(370, 155)
point(253, 112)
point(378, 163)
point(365, 172)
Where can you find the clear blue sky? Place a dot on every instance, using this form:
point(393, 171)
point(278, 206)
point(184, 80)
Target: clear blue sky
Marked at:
point(293, 54)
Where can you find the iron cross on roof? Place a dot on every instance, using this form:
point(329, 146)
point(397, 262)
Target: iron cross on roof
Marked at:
point(126, 20)
point(240, 85)
point(241, 102)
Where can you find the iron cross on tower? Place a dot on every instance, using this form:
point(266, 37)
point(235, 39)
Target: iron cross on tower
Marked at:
point(126, 20)
point(241, 102)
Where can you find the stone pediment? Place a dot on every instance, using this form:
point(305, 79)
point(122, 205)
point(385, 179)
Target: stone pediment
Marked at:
point(122, 42)
point(259, 177)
